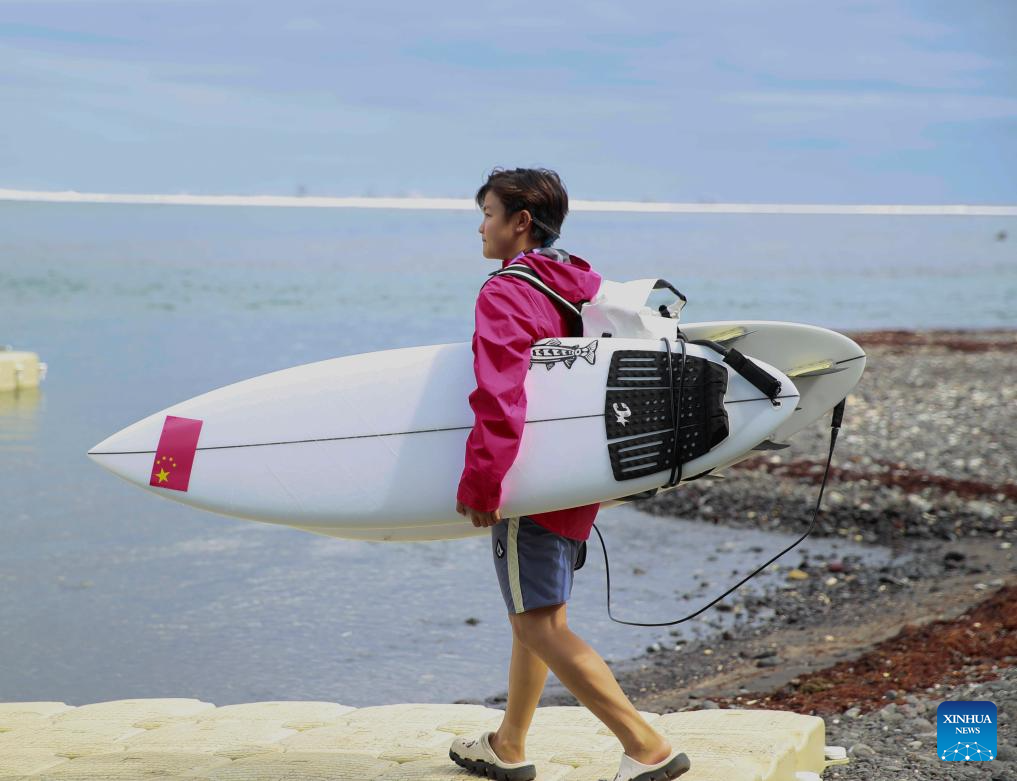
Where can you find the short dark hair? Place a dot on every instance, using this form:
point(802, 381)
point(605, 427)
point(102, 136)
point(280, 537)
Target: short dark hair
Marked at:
point(538, 190)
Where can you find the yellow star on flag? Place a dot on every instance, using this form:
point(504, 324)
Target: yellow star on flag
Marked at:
point(163, 475)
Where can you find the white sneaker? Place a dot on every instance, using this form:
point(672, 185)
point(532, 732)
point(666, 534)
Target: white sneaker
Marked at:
point(476, 754)
point(671, 767)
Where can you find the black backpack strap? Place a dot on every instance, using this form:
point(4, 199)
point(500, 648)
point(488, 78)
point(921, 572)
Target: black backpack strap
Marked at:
point(570, 310)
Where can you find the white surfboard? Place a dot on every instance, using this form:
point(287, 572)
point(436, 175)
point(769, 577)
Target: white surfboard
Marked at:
point(372, 446)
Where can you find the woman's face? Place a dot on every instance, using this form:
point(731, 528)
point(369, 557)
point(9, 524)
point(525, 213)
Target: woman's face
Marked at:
point(502, 237)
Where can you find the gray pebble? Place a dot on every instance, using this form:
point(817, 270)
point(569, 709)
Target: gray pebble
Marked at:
point(861, 750)
point(891, 717)
point(1006, 753)
point(919, 726)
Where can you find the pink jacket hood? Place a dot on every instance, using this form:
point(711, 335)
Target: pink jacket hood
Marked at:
point(569, 275)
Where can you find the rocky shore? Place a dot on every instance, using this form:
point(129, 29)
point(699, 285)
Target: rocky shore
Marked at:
point(926, 464)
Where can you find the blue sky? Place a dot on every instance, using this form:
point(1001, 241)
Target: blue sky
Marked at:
point(803, 102)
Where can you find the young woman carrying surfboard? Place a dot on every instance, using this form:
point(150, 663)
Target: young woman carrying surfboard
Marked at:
point(535, 556)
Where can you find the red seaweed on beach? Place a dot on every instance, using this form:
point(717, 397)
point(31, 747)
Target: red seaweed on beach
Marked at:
point(898, 474)
point(967, 648)
point(956, 341)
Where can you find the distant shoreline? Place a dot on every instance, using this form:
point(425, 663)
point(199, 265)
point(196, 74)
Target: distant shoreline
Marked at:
point(420, 202)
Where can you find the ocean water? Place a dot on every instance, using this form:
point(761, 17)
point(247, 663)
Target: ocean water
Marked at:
point(108, 592)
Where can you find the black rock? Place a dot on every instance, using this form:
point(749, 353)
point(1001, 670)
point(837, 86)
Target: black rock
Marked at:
point(952, 559)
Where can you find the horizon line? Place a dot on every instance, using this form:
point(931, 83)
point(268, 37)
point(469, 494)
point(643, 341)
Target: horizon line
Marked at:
point(468, 204)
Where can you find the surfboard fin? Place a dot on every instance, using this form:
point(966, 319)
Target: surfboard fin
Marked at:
point(768, 444)
point(730, 335)
point(816, 369)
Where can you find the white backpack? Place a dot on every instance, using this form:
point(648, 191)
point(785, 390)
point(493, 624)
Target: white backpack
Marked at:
point(623, 310)
point(619, 309)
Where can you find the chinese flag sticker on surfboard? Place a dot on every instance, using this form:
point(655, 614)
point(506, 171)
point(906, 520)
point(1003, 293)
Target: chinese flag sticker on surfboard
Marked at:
point(175, 454)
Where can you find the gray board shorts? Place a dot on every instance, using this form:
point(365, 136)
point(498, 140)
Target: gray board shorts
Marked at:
point(534, 565)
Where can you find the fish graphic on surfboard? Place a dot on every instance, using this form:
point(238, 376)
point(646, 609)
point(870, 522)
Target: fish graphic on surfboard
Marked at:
point(550, 352)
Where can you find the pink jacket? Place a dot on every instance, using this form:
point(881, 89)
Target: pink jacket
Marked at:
point(510, 316)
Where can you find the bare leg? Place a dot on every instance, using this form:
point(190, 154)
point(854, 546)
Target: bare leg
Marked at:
point(527, 675)
point(587, 676)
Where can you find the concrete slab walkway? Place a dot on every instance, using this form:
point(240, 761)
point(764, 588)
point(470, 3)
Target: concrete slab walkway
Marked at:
point(310, 741)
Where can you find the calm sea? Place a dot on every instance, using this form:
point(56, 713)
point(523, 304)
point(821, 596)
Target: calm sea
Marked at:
point(107, 592)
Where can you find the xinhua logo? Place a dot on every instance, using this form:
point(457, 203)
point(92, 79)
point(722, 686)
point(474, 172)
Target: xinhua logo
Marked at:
point(966, 730)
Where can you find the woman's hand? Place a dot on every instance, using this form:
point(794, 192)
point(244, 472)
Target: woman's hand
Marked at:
point(480, 519)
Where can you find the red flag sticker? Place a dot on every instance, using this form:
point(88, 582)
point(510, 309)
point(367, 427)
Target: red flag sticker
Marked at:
point(175, 454)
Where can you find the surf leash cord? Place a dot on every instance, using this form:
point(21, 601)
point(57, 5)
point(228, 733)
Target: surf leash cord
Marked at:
point(676, 411)
point(835, 423)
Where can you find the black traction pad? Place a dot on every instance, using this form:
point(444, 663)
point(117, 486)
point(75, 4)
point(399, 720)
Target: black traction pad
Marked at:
point(637, 411)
